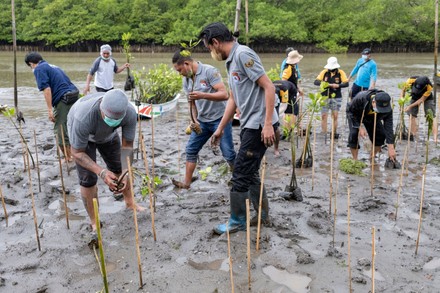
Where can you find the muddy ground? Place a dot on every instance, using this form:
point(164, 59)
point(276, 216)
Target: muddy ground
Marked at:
point(297, 254)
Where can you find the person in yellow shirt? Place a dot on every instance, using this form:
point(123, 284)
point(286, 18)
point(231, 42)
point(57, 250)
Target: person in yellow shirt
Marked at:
point(420, 88)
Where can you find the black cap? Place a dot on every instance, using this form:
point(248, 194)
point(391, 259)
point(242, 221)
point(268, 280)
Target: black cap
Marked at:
point(420, 84)
point(366, 51)
point(383, 102)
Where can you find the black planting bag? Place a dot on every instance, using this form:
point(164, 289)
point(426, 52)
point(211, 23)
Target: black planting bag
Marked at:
point(70, 97)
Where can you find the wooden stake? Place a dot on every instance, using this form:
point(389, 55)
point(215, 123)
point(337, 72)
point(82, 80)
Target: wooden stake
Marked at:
point(101, 249)
point(178, 145)
point(408, 145)
point(23, 144)
point(230, 257)
point(4, 206)
point(348, 241)
point(62, 183)
point(373, 254)
point(139, 128)
point(313, 154)
point(335, 208)
point(399, 190)
point(144, 153)
point(422, 195)
point(248, 240)
point(34, 212)
point(38, 164)
point(263, 171)
point(65, 150)
point(138, 252)
point(332, 145)
point(373, 149)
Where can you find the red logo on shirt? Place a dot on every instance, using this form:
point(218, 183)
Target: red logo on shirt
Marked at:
point(235, 76)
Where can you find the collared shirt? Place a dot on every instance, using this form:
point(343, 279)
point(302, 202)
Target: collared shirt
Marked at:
point(85, 123)
point(206, 78)
point(244, 69)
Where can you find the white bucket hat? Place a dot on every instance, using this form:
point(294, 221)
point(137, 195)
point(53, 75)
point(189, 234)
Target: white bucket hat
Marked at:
point(332, 63)
point(293, 57)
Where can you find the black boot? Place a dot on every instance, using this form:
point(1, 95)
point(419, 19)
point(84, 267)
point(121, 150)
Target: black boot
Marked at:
point(254, 191)
point(237, 221)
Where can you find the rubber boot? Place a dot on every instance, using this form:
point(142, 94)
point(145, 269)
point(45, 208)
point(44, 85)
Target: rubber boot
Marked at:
point(237, 221)
point(254, 191)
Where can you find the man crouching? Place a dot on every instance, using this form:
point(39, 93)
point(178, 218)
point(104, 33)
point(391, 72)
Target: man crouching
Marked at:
point(92, 124)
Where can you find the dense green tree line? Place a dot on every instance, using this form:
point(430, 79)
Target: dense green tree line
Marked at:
point(333, 25)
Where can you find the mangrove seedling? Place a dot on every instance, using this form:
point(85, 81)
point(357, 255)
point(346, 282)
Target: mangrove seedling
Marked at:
point(401, 131)
point(317, 101)
point(129, 83)
point(205, 172)
point(158, 85)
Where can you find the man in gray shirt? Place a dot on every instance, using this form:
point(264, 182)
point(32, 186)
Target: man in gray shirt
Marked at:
point(92, 123)
point(252, 92)
point(203, 84)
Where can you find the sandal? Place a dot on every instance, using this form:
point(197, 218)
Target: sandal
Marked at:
point(93, 240)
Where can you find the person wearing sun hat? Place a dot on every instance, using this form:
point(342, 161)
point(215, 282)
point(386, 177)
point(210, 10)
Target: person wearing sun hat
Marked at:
point(336, 79)
point(420, 88)
point(284, 64)
point(362, 109)
point(103, 69)
point(92, 123)
point(366, 74)
point(290, 73)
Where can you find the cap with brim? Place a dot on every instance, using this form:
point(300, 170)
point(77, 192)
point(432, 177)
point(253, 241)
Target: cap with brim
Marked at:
point(419, 85)
point(293, 57)
point(383, 102)
point(366, 51)
point(114, 104)
point(332, 63)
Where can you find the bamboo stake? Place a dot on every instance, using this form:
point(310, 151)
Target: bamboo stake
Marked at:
point(101, 249)
point(178, 145)
point(373, 254)
point(248, 240)
point(14, 46)
point(408, 145)
point(263, 171)
point(230, 257)
point(4, 206)
point(400, 182)
point(138, 252)
point(20, 130)
point(38, 164)
point(65, 150)
point(335, 210)
point(332, 145)
point(62, 183)
point(139, 127)
point(144, 153)
point(34, 212)
point(422, 195)
point(373, 149)
point(313, 154)
point(348, 240)
point(152, 147)
point(435, 64)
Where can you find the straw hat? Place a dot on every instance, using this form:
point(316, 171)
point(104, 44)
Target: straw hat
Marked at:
point(293, 57)
point(332, 63)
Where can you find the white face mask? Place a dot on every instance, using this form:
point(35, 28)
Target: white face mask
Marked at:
point(375, 109)
point(365, 57)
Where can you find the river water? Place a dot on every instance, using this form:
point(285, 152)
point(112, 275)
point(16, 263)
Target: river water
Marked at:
point(392, 69)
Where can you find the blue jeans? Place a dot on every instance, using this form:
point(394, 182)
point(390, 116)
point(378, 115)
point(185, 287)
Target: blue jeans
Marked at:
point(197, 141)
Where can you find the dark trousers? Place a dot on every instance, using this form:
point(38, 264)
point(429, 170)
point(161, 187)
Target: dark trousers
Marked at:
point(355, 89)
point(101, 90)
point(248, 160)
